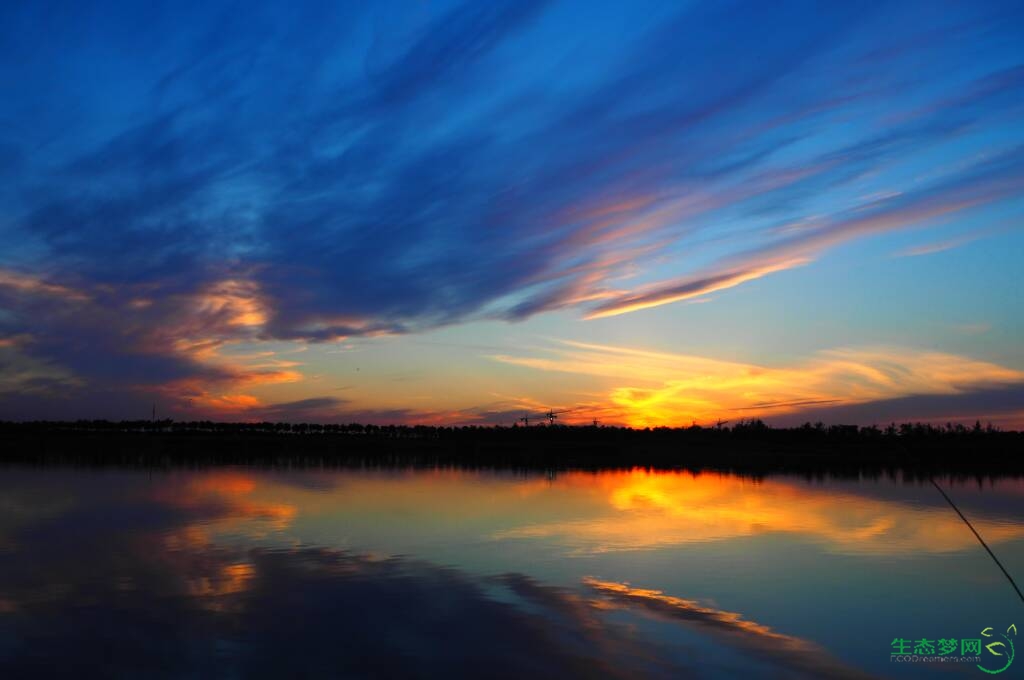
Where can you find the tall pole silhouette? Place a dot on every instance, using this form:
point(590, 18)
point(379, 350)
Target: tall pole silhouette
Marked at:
point(980, 540)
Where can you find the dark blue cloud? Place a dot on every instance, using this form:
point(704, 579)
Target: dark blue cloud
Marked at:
point(374, 169)
point(971, 404)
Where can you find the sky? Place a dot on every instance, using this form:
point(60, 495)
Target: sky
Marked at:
point(645, 213)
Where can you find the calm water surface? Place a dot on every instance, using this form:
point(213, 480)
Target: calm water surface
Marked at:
point(235, 572)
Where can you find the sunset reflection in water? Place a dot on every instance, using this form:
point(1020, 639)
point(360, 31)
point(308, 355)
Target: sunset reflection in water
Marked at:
point(632, 572)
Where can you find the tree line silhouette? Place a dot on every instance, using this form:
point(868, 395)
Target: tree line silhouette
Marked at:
point(740, 428)
point(749, 446)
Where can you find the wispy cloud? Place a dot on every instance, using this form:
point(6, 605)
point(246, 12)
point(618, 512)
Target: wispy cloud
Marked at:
point(958, 241)
point(31, 284)
point(392, 177)
point(936, 247)
point(689, 289)
point(988, 181)
point(646, 388)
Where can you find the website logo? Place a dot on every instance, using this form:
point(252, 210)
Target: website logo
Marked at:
point(992, 652)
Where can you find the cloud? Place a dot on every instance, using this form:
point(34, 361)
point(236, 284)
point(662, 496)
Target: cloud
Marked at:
point(312, 409)
point(936, 247)
point(198, 403)
point(35, 285)
point(95, 348)
point(989, 181)
point(1002, 405)
point(689, 289)
point(288, 175)
point(957, 241)
point(647, 388)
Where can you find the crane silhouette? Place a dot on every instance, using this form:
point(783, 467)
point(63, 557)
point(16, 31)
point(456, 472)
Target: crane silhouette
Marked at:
point(551, 415)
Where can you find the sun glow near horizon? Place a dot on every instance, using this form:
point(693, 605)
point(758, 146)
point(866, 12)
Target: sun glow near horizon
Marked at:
point(781, 200)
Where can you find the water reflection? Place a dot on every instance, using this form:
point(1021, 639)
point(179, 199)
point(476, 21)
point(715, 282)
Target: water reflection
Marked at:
point(224, 503)
point(794, 654)
point(306, 613)
point(647, 510)
point(404, 573)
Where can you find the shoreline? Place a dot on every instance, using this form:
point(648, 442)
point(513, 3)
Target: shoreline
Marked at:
point(842, 451)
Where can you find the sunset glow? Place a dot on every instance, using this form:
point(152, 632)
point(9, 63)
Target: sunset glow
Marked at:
point(511, 338)
point(610, 511)
point(466, 213)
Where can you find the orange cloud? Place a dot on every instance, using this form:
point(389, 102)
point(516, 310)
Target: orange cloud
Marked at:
point(237, 301)
point(658, 388)
point(690, 289)
point(35, 285)
point(227, 403)
point(261, 377)
point(15, 340)
point(221, 393)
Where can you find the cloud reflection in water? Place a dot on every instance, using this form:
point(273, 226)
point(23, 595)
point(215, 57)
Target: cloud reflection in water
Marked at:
point(230, 573)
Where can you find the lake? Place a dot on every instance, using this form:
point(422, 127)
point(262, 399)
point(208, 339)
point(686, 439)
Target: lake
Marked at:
point(241, 572)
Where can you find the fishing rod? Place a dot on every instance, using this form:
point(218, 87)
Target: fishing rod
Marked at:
point(980, 539)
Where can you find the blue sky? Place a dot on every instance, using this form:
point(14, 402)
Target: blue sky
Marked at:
point(443, 212)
